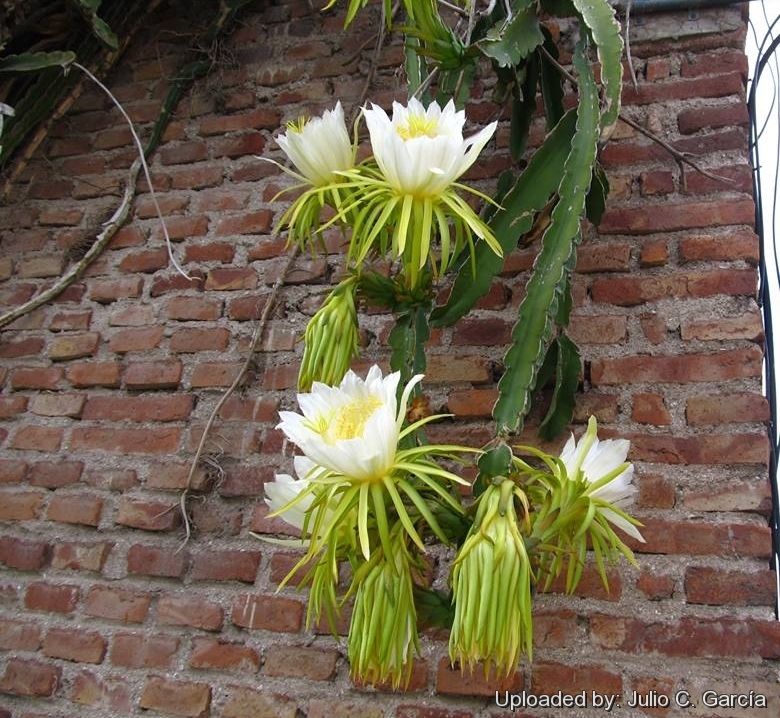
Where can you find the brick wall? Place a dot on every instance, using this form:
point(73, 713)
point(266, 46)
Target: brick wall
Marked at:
point(105, 391)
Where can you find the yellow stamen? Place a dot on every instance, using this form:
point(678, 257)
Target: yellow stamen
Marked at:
point(349, 421)
point(418, 126)
point(298, 125)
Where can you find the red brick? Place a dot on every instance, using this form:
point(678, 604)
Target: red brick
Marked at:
point(148, 515)
point(726, 408)
point(248, 703)
point(136, 340)
point(223, 252)
point(182, 228)
point(111, 479)
point(12, 471)
point(598, 329)
point(111, 290)
point(74, 346)
point(197, 177)
point(54, 475)
point(136, 650)
point(193, 309)
point(57, 404)
point(132, 316)
point(190, 611)
point(549, 678)
point(225, 566)
point(180, 698)
point(214, 374)
point(733, 245)
point(22, 554)
point(650, 409)
point(646, 219)
point(98, 373)
point(79, 646)
point(30, 678)
point(162, 374)
point(420, 711)
point(51, 598)
point(722, 366)
point(37, 438)
point(110, 693)
point(128, 236)
point(483, 331)
point(19, 635)
point(747, 326)
point(301, 662)
point(20, 505)
point(655, 586)
point(604, 257)
point(144, 261)
point(707, 585)
point(656, 492)
point(472, 403)
point(175, 282)
point(218, 655)
point(199, 340)
point(712, 448)
point(258, 222)
point(80, 556)
point(153, 560)
point(753, 496)
point(160, 408)
point(47, 378)
point(11, 405)
point(260, 119)
point(75, 509)
point(270, 613)
point(184, 152)
point(117, 604)
point(21, 348)
point(452, 681)
point(164, 439)
point(231, 279)
point(70, 321)
point(690, 636)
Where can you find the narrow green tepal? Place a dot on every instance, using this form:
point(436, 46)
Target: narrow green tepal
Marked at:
point(535, 325)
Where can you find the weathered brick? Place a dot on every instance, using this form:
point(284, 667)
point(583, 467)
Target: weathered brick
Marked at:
point(140, 650)
point(726, 408)
point(37, 438)
point(225, 566)
point(746, 326)
point(549, 677)
point(180, 698)
point(30, 678)
point(37, 378)
point(193, 309)
point(218, 655)
point(107, 693)
point(22, 554)
point(270, 613)
point(76, 556)
point(316, 664)
point(214, 374)
point(61, 404)
point(161, 374)
point(19, 635)
point(154, 560)
point(160, 408)
point(144, 261)
point(79, 646)
point(20, 505)
point(21, 348)
point(180, 610)
point(256, 120)
point(117, 604)
point(199, 340)
point(164, 439)
point(51, 598)
point(231, 279)
point(80, 509)
point(136, 340)
point(98, 373)
point(105, 291)
point(454, 681)
point(709, 585)
point(248, 703)
point(148, 515)
point(12, 471)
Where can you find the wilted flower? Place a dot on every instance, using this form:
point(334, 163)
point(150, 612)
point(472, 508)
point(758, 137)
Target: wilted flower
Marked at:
point(383, 628)
point(319, 147)
point(603, 465)
point(331, 339)
point(491, 583)
point(422, 152)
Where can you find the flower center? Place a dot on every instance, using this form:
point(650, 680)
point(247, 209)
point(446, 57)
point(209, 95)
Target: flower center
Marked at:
point(350, 421)
point(418, 126)
point(298, 125)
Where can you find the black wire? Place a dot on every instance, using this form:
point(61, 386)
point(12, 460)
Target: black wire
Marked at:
point(767, 54)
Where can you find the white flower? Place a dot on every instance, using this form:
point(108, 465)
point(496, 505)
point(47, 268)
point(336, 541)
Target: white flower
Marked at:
point(319, 147)
point(285, 489)
point(421, 152)
point(353, 429)
point(603, 464)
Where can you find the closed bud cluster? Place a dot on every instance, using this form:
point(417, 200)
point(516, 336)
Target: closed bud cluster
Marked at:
point(491, 583)
point(383, 631)
point(331, 339)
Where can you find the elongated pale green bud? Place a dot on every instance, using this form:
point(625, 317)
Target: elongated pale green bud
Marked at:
point(331, 339)
point(383, 630)
point(491, 583)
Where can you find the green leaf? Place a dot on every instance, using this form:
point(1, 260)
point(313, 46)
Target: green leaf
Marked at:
point(100, 28)
point(551, 81)
point(530, 194)
point(34, 61)
point(567, 377)
point(533, 331)
point(516, 37)
point(523, 109)
point(604, 28)
point(596, 201)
